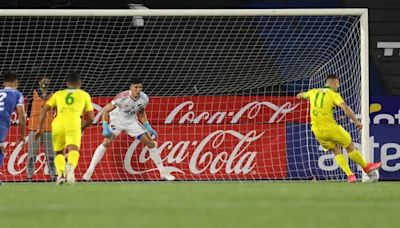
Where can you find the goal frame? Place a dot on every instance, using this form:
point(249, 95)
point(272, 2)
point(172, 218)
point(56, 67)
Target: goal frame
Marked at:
point(361, 12)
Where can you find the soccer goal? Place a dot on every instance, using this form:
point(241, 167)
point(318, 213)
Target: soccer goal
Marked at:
point(221, 83)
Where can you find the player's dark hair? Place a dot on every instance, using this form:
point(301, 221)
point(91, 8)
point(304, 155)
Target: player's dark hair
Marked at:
point(332, 76)
point(74, 77)
point(136, 81)
point(10, 76)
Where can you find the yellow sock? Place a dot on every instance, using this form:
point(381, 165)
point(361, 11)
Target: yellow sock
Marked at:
point(355, 156)
point(73, 158)
point(59, 162)
point(342, 162)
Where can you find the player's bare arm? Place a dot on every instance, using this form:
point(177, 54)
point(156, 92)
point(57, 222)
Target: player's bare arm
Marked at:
point(347, 110)
point(301, 96)
point(89, 117)
point(142, 116)
point(22, 121)
point(42, 115)
point(107, 109)
point(106, 129)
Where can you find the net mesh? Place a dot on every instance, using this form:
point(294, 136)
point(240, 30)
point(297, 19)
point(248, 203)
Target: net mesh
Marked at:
point(221, 90)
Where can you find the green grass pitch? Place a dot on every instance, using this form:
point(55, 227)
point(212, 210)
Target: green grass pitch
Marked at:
point(200, 204)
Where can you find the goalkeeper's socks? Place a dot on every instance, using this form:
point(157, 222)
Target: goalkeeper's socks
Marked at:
point(355, 156)
point(73, 158)
point(59, 162)
point(343, 164)
point(97, 156)
point(155, 156)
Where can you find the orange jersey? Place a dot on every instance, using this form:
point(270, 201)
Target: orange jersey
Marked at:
point(37, 104)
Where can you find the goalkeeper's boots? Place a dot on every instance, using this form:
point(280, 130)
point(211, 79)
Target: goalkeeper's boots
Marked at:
point(69, 173)
point(352, 179)
point(87, 176)
point(167, 176)
point(60, 180)
point(371, 167)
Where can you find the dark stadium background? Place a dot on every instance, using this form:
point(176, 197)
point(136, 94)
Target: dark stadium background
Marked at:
point(384, 24)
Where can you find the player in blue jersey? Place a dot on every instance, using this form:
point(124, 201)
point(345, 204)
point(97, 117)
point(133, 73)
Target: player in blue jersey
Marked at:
point(10, 100)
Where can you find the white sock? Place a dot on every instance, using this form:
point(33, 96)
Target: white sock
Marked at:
point(97, 156)
point(155, 156)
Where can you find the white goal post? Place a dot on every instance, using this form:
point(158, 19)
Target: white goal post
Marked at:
point(220, 62)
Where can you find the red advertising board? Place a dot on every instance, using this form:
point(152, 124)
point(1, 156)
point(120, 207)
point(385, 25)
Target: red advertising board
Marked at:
point(199, 138)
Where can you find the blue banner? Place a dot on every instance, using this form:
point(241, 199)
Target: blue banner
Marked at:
point(307, 160)
point(385, 142)
point(385, 110)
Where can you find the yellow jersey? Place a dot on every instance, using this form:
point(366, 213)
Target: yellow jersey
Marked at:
point(70, 103)
point(323, 102)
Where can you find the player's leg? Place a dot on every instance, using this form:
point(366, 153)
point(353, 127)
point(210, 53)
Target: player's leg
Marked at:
point(4, 127)
point(116, 129)
point(59, 163)
point(97, 156)
point(73, 141)
point(72, 163)
point(135, 129)
point(47, 139)
point(2, 151)
point(3, 134)
point(58, 141)
point(344, 139)
point(343, 164)
point(33, 148)
point(326, 139)
point(356, 157)
point(155, 156)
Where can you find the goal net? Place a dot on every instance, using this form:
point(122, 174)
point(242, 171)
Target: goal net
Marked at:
point(222, 87)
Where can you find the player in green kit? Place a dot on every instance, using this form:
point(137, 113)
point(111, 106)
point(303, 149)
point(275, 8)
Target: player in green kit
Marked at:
point(330, 134)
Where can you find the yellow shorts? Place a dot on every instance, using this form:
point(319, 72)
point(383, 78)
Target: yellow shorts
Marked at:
point(65, 134)
point(330, 137)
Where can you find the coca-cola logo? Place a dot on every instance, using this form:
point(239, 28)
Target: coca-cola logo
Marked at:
point(252, 109)
point(17, 158)
point(240, 160)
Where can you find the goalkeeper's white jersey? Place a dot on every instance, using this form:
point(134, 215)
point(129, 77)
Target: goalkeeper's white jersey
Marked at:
point(127, 107)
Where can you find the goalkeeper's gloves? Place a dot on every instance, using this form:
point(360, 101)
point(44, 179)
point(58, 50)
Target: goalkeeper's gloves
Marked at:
point(149, 129)
point(106, 129)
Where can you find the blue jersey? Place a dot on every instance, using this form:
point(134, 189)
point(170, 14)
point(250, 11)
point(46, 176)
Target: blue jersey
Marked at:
point(9, 100)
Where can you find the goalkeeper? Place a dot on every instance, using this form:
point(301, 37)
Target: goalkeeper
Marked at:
point(124, 112)
point(329, 133)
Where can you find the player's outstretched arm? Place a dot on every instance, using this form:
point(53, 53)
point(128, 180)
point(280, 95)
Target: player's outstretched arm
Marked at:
point(22, 121)
point(302, 95)
point(143, 118)
point(347, 110)
point(42, 115)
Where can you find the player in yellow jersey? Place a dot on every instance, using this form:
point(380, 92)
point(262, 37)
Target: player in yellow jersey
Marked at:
point(70, 103)
point(330, 134)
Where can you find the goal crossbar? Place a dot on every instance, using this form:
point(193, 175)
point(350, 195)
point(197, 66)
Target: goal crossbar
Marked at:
point(188, 12)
